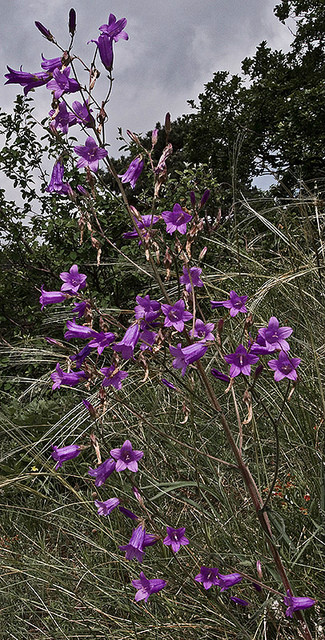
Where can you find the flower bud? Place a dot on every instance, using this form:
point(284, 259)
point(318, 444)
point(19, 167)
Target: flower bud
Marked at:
point(192, 198)
point(154, 137)
point(72, 22)
point(44, 31)
point(258, 371)
point(205, 197)
point(167, 124)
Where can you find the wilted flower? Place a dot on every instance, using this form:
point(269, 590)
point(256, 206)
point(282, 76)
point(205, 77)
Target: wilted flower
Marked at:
point(145, 587)
point(296, 603)
point(236, 304)
point(240, 361)
point(208, 577)
point(175, 538)
point(176, 219)
point(133, 172)
point(61, 454)
point(194, 280)
point(90, 154)
point(106, 508)
point(103, 471)
point(50, 297)
point(284, 367)
point(71, 379)
point(73, 280)
point(176, 315)
point(126, 457)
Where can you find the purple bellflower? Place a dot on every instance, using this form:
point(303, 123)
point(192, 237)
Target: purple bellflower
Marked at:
point(147, 309)
point(175, 538)
point(51, 64)
point(43, 30)
point(27, 80)
point(78, 331)
point(220, 376)
point(61, 83)
point(61, 118)
point(208, 577)
point(101, 340)
point(134, 548)
point(203, 331)
point(228, 580)
point(69, 379)
point(113, 377)
point(236, 303)
point(56, 183)
point(236, 600)
point(114, 28)
point(103, 471)
point(81, 356)
point(50, 297)
point(176, 315)
point(90, 154)
point(127, 344)
point(106, 508)
point(80, 308)
point(284, 367)
point(274, 335)
point(148, 339)
point(187, 355)
point(259, 347)
point(176, 219)
point(61, 454)
point(296, 603)
point(145, 587)
point(185, 279)
point(240, 362)
point(133, 172)
point(126, 457)
point(105, 48)
point(144, 225)
point(82, 113)
point(73, 280)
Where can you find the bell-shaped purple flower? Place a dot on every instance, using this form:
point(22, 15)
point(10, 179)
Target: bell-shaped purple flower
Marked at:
point(103, 471)
point(126, 457)
point(113, 377)
point(90, 154)
point(127, 344)
point(284, 367)
point(50, 297)
point(80, 308)
point(73, 280)
point(240, 361)
point(175, 538)
point(82, 113)
point(134, 548)
point(187, 355)
point(61, 454)
point(81, 356)
point(51, 63)
point(236, 304)
point(143, 225)
point(145, 587)
point(106, 508)
point(208, 577)
point(191, 275)
point(61, 119)
point(176, 315)
point(228, 580)
point(56, 183)
point(71, 379)
point(297, 603)
point(203, 331)
point(275, 336)
point(115, 28)
point(78, 331)
point(133, 172)
point(61, 83)
point(102, 340)
point(147, 309)
point(105, 48)
point(176, 219)
point(27, 80)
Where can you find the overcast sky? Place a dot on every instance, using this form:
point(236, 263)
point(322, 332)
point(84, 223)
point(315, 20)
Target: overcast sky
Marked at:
point(174, 48)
